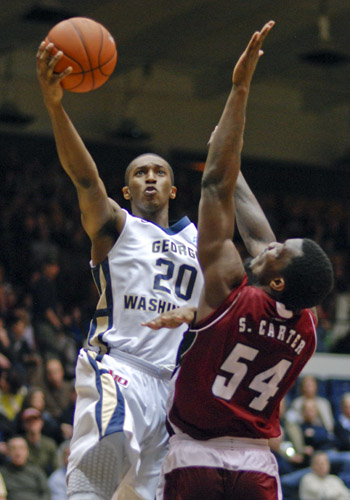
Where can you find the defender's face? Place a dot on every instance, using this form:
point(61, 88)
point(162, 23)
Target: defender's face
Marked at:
point(276, 256)
point(150, 184)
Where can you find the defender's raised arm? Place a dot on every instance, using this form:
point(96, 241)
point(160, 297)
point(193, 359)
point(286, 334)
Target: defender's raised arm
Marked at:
point(221, 263)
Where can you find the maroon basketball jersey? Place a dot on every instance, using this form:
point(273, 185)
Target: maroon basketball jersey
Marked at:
point(240, 362)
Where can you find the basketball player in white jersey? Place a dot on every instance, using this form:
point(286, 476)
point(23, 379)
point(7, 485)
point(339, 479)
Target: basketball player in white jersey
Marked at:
point(141, 267)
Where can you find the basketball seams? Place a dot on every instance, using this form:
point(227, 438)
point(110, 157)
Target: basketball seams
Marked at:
point(57, 46)
point(84, 46)
point(82, 72)
point(80, 35)
point(104, 40)
point(101, 47)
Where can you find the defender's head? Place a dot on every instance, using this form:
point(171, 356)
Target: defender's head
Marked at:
point(297, 273)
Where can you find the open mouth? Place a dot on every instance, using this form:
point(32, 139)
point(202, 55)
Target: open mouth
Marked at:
point(150, 190)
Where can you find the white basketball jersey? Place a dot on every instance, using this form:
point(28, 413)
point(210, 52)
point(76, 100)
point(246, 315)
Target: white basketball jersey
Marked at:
point(148, 271)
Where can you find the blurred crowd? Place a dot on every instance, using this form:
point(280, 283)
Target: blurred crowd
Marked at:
point(47, 298)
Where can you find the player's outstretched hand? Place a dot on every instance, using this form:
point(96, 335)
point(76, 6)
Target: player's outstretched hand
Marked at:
point(50, 82)
point(173, 318)
point(245, 67)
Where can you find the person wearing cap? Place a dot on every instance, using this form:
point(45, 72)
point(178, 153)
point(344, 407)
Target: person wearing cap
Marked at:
point(42, 449)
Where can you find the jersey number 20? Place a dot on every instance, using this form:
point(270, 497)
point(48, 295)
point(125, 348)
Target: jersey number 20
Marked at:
point(265, 383)
point(184, 282)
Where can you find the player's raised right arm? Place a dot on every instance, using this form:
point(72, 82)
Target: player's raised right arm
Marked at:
point(220, 261)
point(96, 208)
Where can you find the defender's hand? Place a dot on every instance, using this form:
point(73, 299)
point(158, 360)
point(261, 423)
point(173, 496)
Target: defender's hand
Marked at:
point(245, 67)
point(173, 318)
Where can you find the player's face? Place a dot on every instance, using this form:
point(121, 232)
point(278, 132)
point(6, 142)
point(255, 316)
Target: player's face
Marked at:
point(149, 183)
point(276, 256)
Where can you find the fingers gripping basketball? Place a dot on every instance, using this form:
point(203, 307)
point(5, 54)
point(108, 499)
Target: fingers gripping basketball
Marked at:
point(88, 48)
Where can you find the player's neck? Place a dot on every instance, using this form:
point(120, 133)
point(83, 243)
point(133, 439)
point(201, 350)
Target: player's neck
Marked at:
point(161, 217)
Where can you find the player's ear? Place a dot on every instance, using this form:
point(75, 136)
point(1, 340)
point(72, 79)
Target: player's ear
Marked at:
point(277, 284)
point(126, 192)
point(173, 192)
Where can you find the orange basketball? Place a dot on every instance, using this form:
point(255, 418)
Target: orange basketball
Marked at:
point(88, 47)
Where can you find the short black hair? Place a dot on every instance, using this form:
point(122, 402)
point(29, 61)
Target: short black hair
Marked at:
point(308, 278)
point(127, 170)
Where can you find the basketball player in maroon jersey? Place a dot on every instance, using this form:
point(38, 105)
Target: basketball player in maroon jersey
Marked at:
point(249, 342)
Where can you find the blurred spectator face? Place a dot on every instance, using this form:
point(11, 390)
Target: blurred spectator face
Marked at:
point(4, 386)
point(346, 405)
point(10, 381)
point(37, 400)
point(54, 372)
point(309, 387)
point(51, 270)
point(320, 465)
point(33, 425)
point(18, 451)
point(18, 328)
point(310, 411)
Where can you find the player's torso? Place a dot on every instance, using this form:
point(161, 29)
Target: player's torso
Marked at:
point(241, 363)
point(149, 270)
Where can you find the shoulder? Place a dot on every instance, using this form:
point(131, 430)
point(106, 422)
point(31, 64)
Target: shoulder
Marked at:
point(309, 477)
point(48, 442)
point(322, 401)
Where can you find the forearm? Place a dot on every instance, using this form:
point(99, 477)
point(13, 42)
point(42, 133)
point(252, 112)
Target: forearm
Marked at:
point(252, 223)
point(73, 155)
point(223, 161)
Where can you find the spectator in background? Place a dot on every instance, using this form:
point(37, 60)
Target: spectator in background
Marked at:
point(5, 344)
point(22, 480)
point(316, 436)
point(57, 480)
point(7, 431)
point(67, 416)
point(342, 424)
point(42, 449)
point(23, 313)
point(46, 322)
point(12, 392)
point(57, 390)
point(308, 389)
point(48, 325)
point(319, 484)
point(35, 398)
point(23, 358)
point(288, 447)
point(3, 491)
point(5, 289)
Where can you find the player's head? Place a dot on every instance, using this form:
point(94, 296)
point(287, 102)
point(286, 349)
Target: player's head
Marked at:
point(143, 160)
point(297, 273)
point(149, 184)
